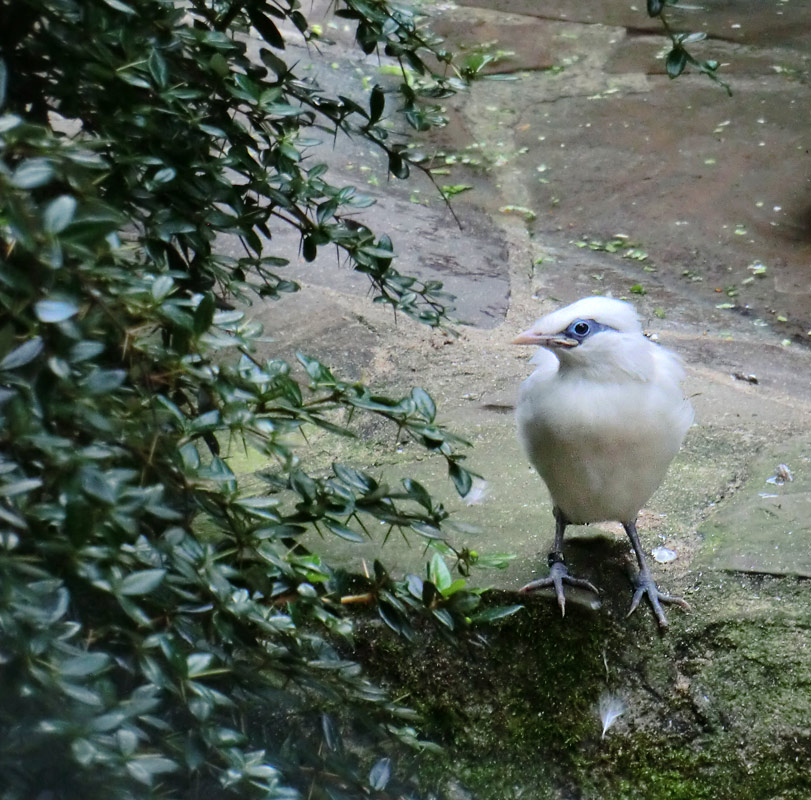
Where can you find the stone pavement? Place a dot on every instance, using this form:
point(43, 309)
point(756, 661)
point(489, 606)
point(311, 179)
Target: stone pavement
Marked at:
point(708, 194)
point(592, 172)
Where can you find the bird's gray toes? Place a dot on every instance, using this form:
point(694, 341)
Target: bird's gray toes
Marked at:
point(541, 583)
point(545, 583)
point(582, 583)
point(559, 575)
point(647, 587)
point(673, 600)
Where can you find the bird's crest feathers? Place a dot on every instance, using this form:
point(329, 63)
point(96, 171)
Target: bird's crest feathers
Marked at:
point(616, 314)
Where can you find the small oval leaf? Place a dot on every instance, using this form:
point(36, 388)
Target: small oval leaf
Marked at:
point(164, 175)
point(377, 102)
point(380, 774)
point(22, 355)
point(142, 582)
point(439, 573)
point(119, 6)
point(59, 213)
point(309, 249)
point(85, 350)
point(162, 286)
point(31, 173)
point(655, 7)
point(397, 166)
point(9, 122)
point(104, 381)
point(20, 487)
point(461, 478)
point(424, 402)
point(343, 532)
point(85, 664)
point(676, 62)
point(692, 38)
point(158, 69)
point(55, 310)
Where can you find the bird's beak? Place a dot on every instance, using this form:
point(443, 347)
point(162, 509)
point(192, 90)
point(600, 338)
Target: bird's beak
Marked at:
point(542, 340)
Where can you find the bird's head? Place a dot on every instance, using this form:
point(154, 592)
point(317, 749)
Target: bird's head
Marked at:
point(581, 324)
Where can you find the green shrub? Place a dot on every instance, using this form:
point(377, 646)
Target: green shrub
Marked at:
point(161, 633)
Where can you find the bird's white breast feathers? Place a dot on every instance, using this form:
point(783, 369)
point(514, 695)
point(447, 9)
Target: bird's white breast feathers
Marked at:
point(602, 427)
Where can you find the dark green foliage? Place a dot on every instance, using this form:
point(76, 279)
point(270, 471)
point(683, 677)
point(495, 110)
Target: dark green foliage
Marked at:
point(679, 56)
point(676, 62)
point(655, 7)
point(163, 633)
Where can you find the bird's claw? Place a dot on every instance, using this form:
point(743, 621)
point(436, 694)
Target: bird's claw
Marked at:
point(558, 575)
point(645, 585)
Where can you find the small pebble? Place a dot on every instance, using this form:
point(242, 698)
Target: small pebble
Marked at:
point(664, 555)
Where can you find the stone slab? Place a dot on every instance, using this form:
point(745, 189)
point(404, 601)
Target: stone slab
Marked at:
point(760, 22)
point(690, 176)
point(645, 53)
point(765, 528)
point(518, 42)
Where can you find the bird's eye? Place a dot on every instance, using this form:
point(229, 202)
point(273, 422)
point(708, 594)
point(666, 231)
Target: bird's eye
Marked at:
point(581, 328)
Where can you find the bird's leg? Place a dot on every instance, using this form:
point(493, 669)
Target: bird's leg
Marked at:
point(558, 573)
point(645, 585)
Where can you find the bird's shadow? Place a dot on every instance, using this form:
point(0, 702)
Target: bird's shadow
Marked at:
point(606, 561)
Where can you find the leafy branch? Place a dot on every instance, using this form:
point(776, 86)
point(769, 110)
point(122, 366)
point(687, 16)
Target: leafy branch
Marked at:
point(679, 56)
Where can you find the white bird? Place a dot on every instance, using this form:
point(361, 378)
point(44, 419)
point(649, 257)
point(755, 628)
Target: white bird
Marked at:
point(600, 418)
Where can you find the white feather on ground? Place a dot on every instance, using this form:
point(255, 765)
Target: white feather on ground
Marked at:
point(611, 706)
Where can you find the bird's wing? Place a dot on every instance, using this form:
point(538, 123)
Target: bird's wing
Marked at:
point(668, 367)
point(670, 371)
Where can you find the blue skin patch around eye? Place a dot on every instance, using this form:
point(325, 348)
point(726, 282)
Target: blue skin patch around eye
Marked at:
point(582, 329)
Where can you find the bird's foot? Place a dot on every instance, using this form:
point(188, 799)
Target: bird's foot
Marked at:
point(645, 585)
point(558, 575)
